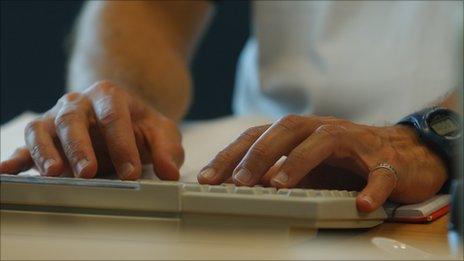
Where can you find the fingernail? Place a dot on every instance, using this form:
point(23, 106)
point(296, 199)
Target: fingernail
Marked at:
point(208, 173)
point(126, 170)
point(281, 178)
point(82, 164)
point(176, 162)
point(367, 199)
point(243, 176)
point(48, 163)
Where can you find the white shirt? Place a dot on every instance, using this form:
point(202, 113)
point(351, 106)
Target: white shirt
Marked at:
point(368, 61)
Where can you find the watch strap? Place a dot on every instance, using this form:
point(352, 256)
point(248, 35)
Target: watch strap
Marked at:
point(443, 147)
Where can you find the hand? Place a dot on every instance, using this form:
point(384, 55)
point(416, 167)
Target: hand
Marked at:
point(314, 144)
point(98, 130)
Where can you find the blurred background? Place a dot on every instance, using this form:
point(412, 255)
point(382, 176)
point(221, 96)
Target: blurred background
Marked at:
point(34, 56)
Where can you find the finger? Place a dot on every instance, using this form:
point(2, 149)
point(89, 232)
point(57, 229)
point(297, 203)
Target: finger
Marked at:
point(220, 168)
point(308, 155)
point(164, 142)
point(42, 149)
point(266, 179)
point(113, 117)
point(19, 161)
point(72, 128)
point(380, 184)
point(278, 140)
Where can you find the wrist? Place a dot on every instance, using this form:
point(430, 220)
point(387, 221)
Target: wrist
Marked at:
point(439, 130)
point(408, 135)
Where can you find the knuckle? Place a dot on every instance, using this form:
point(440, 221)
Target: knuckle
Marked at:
point(335, 131)
point(107, 108)
point(251, 133)
point(258, 152)
point(290, 122)
point(169, 125)
point(103, 86)
point(316, 120)
point(71, 97)
point(73, 149)
point(37, 150)
point(107, 115)
point(65, 117)
point(18, 151)
point(224, 156)
point(298, 155)
point(330, 118)
point(390, 154)
point(33, 126)
point(49, 114)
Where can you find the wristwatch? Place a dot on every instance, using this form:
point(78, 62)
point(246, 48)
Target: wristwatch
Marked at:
point(440, 129)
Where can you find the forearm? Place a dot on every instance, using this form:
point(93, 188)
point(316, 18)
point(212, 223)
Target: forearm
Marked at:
point(141, 47)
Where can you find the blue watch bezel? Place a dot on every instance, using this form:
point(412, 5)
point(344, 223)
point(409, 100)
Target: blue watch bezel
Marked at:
point(443, 145)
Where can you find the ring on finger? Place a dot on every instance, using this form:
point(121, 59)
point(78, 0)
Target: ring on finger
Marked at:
point(389, 168)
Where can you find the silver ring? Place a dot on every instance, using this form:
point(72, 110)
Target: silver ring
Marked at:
point(388, 167)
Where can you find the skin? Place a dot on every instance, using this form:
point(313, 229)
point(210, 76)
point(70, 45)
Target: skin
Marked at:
point(98, 130)
point(337, 147)
point(159, 37)
point(330, 153)
point(131, 119)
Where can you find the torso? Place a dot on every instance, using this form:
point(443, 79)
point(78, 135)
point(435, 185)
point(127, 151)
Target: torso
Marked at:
point(370, 62)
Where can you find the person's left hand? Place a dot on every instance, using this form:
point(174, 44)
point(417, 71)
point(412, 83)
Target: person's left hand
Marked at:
point(314, 144)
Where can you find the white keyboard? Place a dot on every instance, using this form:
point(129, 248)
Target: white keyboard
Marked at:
point(300, 207)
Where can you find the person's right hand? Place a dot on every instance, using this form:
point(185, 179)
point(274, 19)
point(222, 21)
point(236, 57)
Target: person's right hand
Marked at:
point(98, 130)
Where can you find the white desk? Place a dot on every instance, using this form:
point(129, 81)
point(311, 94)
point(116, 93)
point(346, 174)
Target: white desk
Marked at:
point(35, 235)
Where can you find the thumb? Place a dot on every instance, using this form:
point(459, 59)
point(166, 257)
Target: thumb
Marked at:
point(380, 185)
point(20, 160)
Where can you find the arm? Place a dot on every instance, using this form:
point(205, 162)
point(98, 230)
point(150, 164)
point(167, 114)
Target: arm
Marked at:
point(143, 47)
point(134, 56)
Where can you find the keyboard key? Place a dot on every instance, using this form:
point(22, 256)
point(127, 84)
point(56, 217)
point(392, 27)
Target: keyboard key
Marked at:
point(244, 190)
point(283, 191)
point(258, 190)
point(192, 188)
point(218, 189)
point(326, 193)
point(310, 193)
point(297, 193)
point(269, 191)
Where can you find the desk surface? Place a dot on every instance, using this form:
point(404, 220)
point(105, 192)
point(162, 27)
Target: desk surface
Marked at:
point(34, 235)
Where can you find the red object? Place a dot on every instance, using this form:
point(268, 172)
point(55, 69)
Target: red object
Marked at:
point(424, 219)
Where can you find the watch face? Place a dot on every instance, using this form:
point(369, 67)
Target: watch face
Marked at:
point(444, 125)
